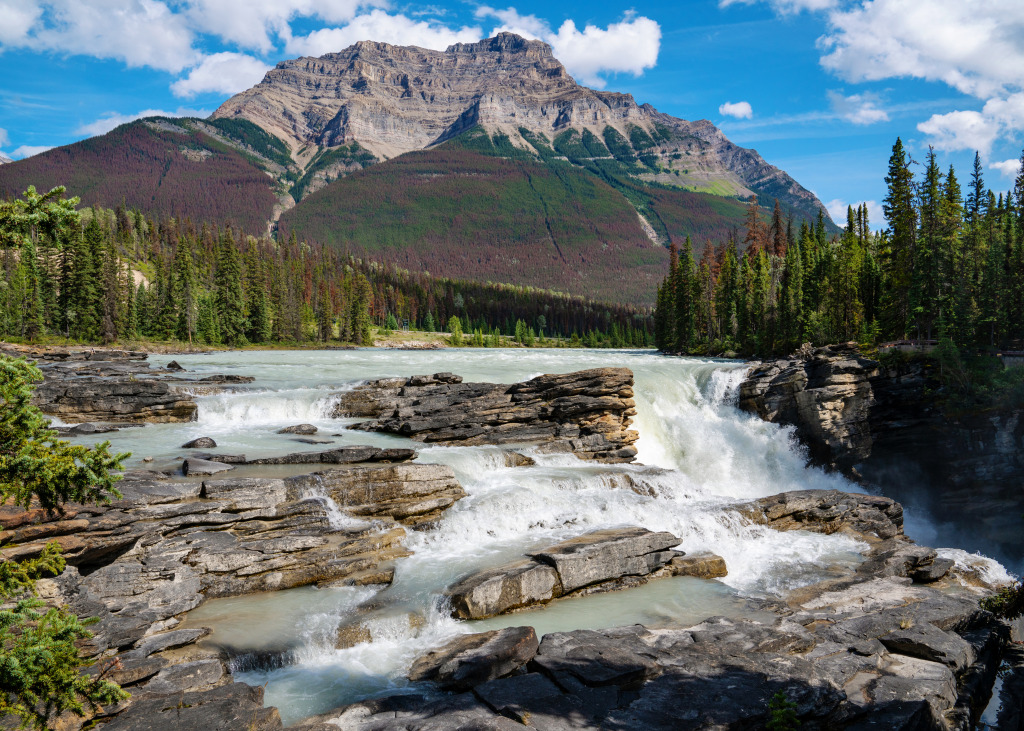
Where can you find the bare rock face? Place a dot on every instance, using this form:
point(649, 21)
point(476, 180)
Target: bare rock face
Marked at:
point(827, 395)
point(587, 413)
point(470, 660)
point(601, 560)
point(396, 99)
point(114, 400)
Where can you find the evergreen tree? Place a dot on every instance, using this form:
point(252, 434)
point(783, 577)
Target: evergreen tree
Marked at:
point(230, 298)
point(899, 261)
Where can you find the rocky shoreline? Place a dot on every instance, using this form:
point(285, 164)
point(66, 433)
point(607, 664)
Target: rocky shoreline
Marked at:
point(898, 641)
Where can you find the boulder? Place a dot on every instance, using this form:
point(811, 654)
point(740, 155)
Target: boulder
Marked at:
point(470, 660)
point(119, 399)
point(174, 366)
point(587, 413)
point(200, 443)
point(342, 455)
point(203, 467)
point(299, 429)
point(227, 708)
point(601, 560)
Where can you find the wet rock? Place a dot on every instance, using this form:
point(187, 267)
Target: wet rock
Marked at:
point(185, 677)
point(299, 429)
point(470, 660)
point(700, 566)
point(369, 628)
point(313, 441)
point(928, 642)
point(516, 459)
point(342, 455)
point(200, 443)
point(587, 413)
point(194, 466)
point(232, 459)
point(174, 366)
point(126, 399)
point(605, 559)
point(84, 429)
point(869, 517)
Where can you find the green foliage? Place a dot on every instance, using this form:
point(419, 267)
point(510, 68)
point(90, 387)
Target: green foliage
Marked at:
point(255, 137)
point(782, 714)
point(1008, 603)
point(619, 146)
point(351, 154)
point(455, 328)
point(40, 664)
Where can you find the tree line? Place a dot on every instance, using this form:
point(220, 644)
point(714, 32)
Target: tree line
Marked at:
point(949, 266)
point(98, 275)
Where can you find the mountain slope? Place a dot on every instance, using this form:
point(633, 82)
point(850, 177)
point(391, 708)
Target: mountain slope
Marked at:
point(4, 159)
point(394, 99)
point(182, 168)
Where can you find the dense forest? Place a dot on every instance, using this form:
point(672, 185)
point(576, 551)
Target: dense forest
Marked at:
point(98, 275)
point(949, 266)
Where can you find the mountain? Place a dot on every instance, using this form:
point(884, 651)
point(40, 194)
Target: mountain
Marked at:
point(4, 159)
point(485, 161)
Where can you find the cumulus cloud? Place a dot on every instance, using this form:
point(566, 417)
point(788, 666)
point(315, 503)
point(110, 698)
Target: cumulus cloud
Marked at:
point(110, 120)
point(974, 130)
point(1007, 168)
point(378, 25)
point(29, 150)
point(739, 110)
point(629, 46)
point(227, 73)
point(977, 48)
point(858, 108)
point(137, 32)
point(837, 210)
point(250, 23)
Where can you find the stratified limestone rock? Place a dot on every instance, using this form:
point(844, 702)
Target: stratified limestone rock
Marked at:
point(114, 400)
point(601, 560)
point(869, 517)
point(826, 394)
point(470, 660)
point(587, 413)
point(342, 455)
point(194, 466)
point(299, 429)
point(200, 443)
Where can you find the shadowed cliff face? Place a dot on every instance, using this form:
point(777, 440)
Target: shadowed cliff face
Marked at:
point(959, 476)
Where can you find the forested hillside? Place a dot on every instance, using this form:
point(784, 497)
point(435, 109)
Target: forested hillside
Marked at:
point(100, 275)
point(164, 169)
point(949, 266)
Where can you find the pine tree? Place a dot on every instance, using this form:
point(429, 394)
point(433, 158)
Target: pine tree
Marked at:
point(230, 298)
point(899, 263)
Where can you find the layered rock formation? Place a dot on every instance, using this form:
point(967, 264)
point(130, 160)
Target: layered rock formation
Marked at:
point(881, 646)
point(141, 562)
point(603, 560)
point(587, 413)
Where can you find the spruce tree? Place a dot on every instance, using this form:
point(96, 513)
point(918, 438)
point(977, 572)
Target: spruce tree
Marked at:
point(230, 297)
point(899, 263)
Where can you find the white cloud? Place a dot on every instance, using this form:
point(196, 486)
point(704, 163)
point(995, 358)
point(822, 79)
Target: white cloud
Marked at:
point(739, 110)
point(858, 108)
point(137, 32)
point(227, 73)
point(4, 139)
point(629, 46)
point(1007, 168)
point(29, 150)
point(250, 23)
point(786, 7)
point(19, 18)
point(113, 119)
point(380, 26)
point(960, 130)
point(837, 210)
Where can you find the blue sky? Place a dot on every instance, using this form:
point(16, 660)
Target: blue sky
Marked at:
point(820, 88)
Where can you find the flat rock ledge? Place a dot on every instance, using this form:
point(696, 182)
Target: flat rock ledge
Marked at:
point(142, 562)
point(603, 560)
point(896, 643)
point(587, 413)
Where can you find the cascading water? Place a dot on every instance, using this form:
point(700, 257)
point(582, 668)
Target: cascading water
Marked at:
point(698, 456)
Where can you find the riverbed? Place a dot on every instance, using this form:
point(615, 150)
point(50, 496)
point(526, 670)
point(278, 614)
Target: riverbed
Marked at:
point(697, 455)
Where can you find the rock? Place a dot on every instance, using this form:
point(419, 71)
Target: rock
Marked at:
point(84, 429)
point(605, 560)
point(113, 400)
point(825, 393)
point(369, 628)
point(515, 459)
point(470, 660)
point(868, 517)
point(174, 366)
point(587, 413)
point(299, 429)
point(232, 459)
point(198, 675)
point(200, 443)
point(147, 459)
point(193, 466)
point(928, 642)
point(700, 566)
point(313, 441)
point(601, 556)
point(342, 455)
point(227, 708)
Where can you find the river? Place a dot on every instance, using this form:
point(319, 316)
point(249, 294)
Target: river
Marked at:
point(698, 454)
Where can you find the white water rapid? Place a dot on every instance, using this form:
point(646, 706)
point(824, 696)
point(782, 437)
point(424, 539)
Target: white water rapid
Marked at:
point(698, 454)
